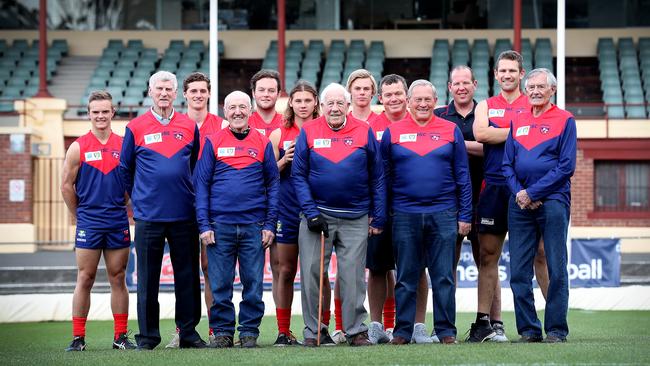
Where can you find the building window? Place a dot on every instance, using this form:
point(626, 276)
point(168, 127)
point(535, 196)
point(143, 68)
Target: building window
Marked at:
point(622, 186)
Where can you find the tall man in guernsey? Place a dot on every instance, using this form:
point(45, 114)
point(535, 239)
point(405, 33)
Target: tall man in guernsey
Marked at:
point(158, 157)
point(196, 90)
point(380, 260)
point(538, 162)
point(492, 121)
point(425, 162)
point(94, 193)
point(237, 183)
point(338, 177)
point(266, 87)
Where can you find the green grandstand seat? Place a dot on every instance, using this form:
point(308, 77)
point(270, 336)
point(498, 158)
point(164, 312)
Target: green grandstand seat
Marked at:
point(12, 91)
point(16, 82)
point(131, 53)
point(62, 45)
point(193, 53)
point(115, 91)
point(146, 65)
point(106, 63)
point(188, 64)
point(13, 53)
point(135, 44)
point(168, 65)
point(357, 44)
point(20, 43)
point(337, 44)
point(98, 80)
point(122, 74)
point(176, 44)
point(316, 44)
point(501, 44)
point(111, 53)
point(125, 64)
point(196, 44)
point(115, 43)
point(635, 111)
point(133, 92)
point(149, 54)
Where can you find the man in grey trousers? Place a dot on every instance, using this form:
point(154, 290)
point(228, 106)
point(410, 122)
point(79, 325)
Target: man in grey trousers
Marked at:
point(338, 177)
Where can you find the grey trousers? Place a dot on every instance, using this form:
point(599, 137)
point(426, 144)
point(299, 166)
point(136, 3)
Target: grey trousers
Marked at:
point(350, 237)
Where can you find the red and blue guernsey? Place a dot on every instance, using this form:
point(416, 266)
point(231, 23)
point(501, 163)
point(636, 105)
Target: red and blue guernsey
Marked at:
point(211, 124)
point(289, 207)
point(379, 123)
point(257, 122)
point(101, 201)
point(426, 167)
point(158, 161)
point(237, 181)
point(500, 115)
point(540, 155)
point(339, 172)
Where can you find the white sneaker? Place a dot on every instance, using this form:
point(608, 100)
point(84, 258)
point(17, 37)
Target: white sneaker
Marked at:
point(211, 338)
point(376, 333)
point(500, 333)
point(434, 337)
point(174, 343)
point(420, 334)
point(389, 333)
point(339, 337)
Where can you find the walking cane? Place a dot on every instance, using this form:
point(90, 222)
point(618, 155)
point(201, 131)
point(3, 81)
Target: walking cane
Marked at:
point(320, 285)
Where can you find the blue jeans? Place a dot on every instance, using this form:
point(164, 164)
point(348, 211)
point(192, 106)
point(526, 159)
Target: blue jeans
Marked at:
point(234, 243)
point(419, 241)
point(527, 227)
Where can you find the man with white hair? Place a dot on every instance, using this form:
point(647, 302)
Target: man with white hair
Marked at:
point(338, 178)
point(158, 156)
point(237, 184)
point(538, 162)
point(425, 163)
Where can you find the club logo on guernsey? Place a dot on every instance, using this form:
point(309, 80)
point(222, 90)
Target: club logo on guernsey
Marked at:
point(348, 141)
point(435, 137)
point(544, 129)
point(116, 155)
point(93, 155)
point(408, 137)
point(322, 143)
point(522, 131)
point(252, 152)
point(153, 138)
point(286, 145)
point(261, 130)
point(380, 134)
point(178, 135)
point(496, 113)
point(225, 152)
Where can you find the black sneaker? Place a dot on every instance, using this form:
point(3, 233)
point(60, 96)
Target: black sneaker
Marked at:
point(480, 333)
point(529, 339)
point(325, 339)
point(77, 344)
point(123, 342)
point(222, 342)
point(248, 342)
point(284, 340)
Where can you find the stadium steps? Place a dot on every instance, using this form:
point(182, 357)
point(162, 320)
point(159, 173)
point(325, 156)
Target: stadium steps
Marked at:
point(71, 80)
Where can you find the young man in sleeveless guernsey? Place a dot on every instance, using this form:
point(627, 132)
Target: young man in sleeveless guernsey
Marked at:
point(237, 184)
point(158, 157)
point(95, 195)
point(196, 90)
point(302, 107)
point(493, 118)
point(266, 87)
point(380, 260)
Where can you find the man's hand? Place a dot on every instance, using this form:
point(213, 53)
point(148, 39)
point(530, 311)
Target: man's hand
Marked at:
point(288, 154)
point(522, 199)
point(207, 237)
point(464, 228)
point(374, 231)
point(318, 224)
point(267, 238)
point(534, 205)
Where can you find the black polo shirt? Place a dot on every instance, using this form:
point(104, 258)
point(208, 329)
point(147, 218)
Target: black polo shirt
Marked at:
point(466, 127)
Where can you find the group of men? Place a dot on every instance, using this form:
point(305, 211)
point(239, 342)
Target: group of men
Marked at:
point(394, 192)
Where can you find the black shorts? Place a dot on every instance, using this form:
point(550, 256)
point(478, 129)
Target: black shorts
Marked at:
point(492, 209)
point(379, 257)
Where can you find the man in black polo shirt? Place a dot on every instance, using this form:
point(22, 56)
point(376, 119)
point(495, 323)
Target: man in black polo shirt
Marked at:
point(462, 85)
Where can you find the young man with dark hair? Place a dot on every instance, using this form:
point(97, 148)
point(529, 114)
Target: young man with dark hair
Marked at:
point(266, 87)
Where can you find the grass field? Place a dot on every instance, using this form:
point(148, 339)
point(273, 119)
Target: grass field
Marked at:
point(621, 337)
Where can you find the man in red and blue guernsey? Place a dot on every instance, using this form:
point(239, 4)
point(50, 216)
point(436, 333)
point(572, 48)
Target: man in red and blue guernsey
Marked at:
point(237, 184)
point(538, 162)
point(158, 157)
point(428, 183)
point(266, 87)
point(492, 121)
point(95, 194)
point(338, 177)
point(380, 260)
point(196, 90)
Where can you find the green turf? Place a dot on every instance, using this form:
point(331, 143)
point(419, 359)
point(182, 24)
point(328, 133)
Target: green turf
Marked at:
point(621, 337)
